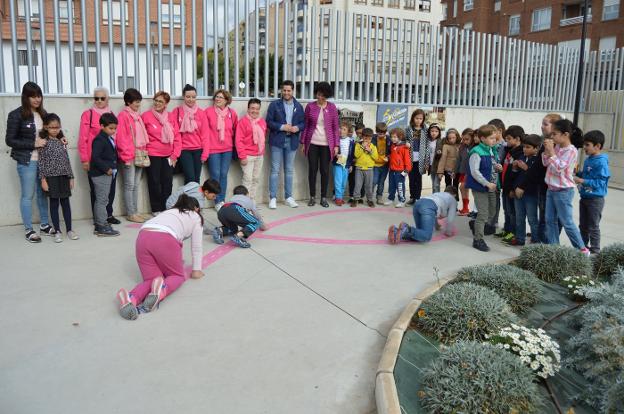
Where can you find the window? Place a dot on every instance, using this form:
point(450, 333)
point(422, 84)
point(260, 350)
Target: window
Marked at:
point(64, 11)
point(177, 15)
point(79, 59)
point(394, 4)
point(129, 83)
point(424, 5)
point(468, 5)
point(377, 2)
point(116, 6)
point(514, 25)
point(360, 2)
point(167, 61)
point(410, 5)
point(444, 11)
point(34, 9)
point(22, 57)
point(454, 9)
point(541, 19)
point(611, 10)
point(497, 6)
point(607, 43)
point(468, 26)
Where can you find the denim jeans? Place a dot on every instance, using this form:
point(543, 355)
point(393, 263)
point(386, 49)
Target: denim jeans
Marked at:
point(379, 179)
point(218, 167)
point(30, 185)
point(541, 214)
point(559, 210)
point(286, 157)
point(131, 185)
point(425, 213)
point(396, 184)
point(509, 208)
point(526, 209)
point(341, 177)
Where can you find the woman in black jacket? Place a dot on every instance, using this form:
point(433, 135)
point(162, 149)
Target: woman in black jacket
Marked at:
point(22, 135)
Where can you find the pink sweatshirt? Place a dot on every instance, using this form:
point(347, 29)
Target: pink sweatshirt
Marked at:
point(216, 146)
point(89, 128)
point(124, 139)
point(181, 226)
point(155, 146)
point(244, 138)
point(197, 139)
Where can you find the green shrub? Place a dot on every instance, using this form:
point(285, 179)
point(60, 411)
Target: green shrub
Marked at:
point(597, 351)
point(615, 398)
point(463, 311)
point(471, 377)
point(519, 288)
point(552, 263)
point(608, 260)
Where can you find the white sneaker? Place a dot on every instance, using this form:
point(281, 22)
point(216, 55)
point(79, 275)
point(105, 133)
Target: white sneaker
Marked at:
point(219, 205)
point(387, 202)
point(58, 237)
point(72, 235)
point(290, 202)
point(400, 205)
point(273, 204)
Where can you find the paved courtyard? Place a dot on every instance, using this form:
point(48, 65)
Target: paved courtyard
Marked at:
point(296, 324)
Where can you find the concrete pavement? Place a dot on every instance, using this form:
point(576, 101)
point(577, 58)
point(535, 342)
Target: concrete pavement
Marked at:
point(296, 324)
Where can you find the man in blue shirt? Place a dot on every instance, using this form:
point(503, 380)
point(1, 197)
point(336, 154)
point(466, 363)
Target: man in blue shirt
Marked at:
point(285, 119)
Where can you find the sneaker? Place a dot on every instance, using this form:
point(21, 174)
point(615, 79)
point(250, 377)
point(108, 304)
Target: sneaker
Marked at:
point(58, 237)
point(47, 230)
point(217, 235)
point(353, 203)
point(411, 202)
point(155, 295)
point(312, 202)
point(472, 215)
point(403, 230)
point(388, 202)
point(370, 203)
point(508, 237)
point(113, 220)
point(393, 235)
point(106, 231)
point(240, 242)
point(290, 202)
point(480, 245)
point(219, 205)
point(273, 203)
point(400, 204)
point(585, 252)
point(72, 235)
point(339, 202)
point(513, 242)
point(324, 202)
point(32, 236)
point(350, 200)
point(127, 310)
point(135, 218)
point(380, 201)
point(360, 201)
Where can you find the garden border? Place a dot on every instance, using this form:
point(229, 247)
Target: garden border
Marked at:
point(386, 396)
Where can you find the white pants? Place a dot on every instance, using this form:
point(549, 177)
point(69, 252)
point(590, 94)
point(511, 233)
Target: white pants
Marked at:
point(251, 174)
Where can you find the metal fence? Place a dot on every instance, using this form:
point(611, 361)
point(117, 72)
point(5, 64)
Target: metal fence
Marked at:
point(248, 47)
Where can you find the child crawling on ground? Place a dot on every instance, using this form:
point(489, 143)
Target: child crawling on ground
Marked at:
point(239, 218)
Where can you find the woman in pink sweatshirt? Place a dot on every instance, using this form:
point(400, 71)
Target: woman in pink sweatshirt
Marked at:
point(222, 122)
point(250, 139)
point(89, 128)
point(159, 256)
point(131, 135)
point(163, 148)
point(193, 127)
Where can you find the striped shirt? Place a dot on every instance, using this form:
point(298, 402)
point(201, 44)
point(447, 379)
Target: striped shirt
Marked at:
point(560, 168)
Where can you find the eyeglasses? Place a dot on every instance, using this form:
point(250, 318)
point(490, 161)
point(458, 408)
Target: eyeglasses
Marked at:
point(219, 97)
point(159, 101)
point(99, 98)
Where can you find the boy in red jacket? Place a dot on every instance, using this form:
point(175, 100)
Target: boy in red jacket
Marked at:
point(399, 164)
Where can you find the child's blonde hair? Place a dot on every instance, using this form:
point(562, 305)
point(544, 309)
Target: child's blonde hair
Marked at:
point(553, 117)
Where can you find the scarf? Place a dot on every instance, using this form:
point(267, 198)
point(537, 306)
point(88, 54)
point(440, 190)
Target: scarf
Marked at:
point(166, 136)
point(140, 133)
point(221, 113)
point(188, 121)
point(102, 111)
point(258, 132)
point(424, 157)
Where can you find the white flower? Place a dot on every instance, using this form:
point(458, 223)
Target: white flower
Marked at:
point(506, 346)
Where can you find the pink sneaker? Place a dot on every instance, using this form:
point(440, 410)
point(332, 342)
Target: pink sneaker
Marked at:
point(156, 295)
point(127, 310)
point(585, 251)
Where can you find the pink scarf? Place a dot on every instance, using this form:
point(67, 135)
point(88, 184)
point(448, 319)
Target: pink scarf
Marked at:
point(101, 111)
point(258, 132)
point(188, 122)
point(166, 135)
point(221, 113)
point(140, 133)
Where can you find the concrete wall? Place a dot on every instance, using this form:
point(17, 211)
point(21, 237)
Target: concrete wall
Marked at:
point(69, 109)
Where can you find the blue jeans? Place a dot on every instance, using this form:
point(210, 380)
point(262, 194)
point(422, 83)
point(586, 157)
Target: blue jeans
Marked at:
point(379, 178)
point(559, 211)
point(396, 184)
point(509, 208)
point(218, 167)
point(31, 185)
point(425, 213)
point(341, 176)
point(526, 209)
point(286, 157)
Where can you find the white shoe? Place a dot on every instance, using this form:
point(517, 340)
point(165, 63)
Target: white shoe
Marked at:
point(273, 204)
point(219, 205)
point(387, 202)
point(72, 235)
point(58, 237)
point(290, 202)
point(400, 205)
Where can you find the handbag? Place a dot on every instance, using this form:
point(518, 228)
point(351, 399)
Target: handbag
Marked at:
point(141, 159)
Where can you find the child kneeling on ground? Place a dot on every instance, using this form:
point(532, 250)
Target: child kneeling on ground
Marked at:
point(239, 218)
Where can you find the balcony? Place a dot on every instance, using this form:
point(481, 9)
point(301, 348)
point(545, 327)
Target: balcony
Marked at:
point(574, 20)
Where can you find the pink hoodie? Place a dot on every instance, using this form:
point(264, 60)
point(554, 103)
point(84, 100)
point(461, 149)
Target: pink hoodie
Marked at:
point(216, 145)
point(89, 128)
point(244, 138)
point(155, 146)
point(197, 139)
point(123, 138)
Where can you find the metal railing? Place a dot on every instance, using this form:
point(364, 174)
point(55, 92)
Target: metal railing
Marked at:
point(574, 20)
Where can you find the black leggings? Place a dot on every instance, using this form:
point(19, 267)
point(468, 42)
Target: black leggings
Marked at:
point(318, 159)
point(415, 182)
point(54, 213)
point(190, 161)
point(159, 182)
point(450, 180)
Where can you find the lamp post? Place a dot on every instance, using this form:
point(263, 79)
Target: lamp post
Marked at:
point(581, 67)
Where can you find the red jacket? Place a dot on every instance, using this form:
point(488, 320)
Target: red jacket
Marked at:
point(155, 146)
point(197, 139)
point(124, 139)
point(244, 138)
point(399, 158)
point(231, 120)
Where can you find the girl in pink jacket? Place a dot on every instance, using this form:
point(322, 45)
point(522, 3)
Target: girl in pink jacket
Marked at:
point(163, 148)
point(250, 139)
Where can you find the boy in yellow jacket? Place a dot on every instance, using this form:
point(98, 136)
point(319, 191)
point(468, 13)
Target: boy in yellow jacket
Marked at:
point(365, 157)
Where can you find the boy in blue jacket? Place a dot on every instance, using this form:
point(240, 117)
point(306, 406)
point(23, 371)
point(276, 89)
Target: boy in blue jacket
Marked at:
point(592, 183)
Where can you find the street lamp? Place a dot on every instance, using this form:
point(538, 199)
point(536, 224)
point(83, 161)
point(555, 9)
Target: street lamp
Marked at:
point(579, 83)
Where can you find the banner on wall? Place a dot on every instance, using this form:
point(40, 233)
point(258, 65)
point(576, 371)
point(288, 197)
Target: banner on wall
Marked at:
point(394, 116)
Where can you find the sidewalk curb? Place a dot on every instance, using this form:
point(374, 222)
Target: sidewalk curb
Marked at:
point(386, 394)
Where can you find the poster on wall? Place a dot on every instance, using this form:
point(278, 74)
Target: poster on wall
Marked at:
point(394, 116)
